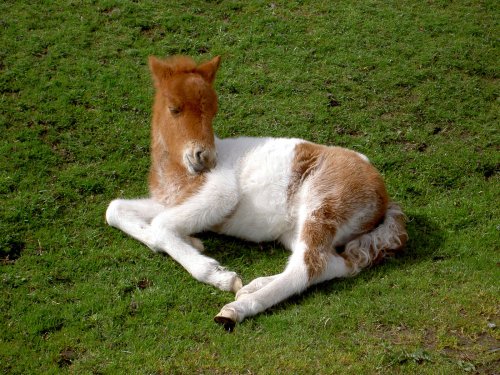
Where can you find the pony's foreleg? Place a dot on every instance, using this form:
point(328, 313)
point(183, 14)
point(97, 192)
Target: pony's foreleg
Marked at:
point(173, 225)
point(162, 230)
point(134, 216)
point(201, 267)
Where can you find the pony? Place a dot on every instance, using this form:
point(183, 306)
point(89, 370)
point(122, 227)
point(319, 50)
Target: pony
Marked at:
point(327, 205)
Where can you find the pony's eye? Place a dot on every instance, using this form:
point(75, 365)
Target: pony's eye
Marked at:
point(175, 110)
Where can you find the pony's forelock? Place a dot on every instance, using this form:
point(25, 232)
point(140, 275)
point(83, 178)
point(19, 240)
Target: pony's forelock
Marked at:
point(180, 64)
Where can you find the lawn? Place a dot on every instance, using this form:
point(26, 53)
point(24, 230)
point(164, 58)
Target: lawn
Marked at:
point(412, 84)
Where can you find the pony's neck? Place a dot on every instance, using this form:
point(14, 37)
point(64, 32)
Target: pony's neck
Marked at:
point(169, 181)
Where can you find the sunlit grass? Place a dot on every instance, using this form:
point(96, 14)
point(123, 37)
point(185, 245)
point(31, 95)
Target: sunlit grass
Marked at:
point(413, 85)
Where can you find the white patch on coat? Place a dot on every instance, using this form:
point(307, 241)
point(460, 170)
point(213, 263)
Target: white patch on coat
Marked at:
point(264, 167)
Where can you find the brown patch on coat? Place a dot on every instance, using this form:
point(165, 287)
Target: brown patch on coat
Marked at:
point(317, 238)
point(184, 106)
point(303, 165)
point(171, 185)
point(345, 185)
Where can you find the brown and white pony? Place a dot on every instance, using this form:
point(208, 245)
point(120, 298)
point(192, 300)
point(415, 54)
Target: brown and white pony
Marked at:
point(314, 199)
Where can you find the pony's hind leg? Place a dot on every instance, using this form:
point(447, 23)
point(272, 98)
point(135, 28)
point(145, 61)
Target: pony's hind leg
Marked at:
point(262, 293)
point(315, 260)
point(310, 249)
point(311, 261)
point(255, 285)
point(292, 281)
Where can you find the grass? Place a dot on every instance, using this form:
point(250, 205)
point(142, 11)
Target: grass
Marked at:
point(414, 85)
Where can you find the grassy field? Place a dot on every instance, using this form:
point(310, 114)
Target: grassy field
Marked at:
point(412, 84)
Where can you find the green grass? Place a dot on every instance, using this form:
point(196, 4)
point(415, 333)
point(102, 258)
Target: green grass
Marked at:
point(412, 84)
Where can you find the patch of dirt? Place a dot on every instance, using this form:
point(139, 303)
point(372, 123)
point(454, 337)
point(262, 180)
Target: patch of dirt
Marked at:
point(396, 335)
point(408, 145)
point(413, 146)
point(144, 283)
point(332, 102)
point(203, 49)
point(66, 357)
point(488, 170)
point(341, 130)
point(153, 33)
point(477, 354)
point(14, 251)
point(437, 130)
point(111, 11)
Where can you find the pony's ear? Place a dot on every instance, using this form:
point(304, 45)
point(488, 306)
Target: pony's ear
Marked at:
point(159, 70)
point(209, 68)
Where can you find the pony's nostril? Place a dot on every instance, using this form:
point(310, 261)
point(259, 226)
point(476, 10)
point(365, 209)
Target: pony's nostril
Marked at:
point(199, 156)
point(200, 159)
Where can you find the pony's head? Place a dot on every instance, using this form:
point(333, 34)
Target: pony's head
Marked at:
point(185, 104)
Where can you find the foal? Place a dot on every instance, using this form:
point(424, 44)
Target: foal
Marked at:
point(314, 199)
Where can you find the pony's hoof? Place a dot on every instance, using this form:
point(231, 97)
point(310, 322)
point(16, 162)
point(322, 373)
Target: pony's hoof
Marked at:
point(227, 318)
point(237, 285)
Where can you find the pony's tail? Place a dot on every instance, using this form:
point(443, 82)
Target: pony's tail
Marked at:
point(385, 240)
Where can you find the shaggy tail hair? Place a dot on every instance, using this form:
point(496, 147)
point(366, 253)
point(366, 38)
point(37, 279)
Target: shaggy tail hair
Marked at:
point(384, 241)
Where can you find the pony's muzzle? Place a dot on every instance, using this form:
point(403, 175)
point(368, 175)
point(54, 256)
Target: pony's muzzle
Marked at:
point(200, 159)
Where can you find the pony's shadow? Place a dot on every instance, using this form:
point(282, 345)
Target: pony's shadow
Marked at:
point(235, 253)
point(425, 239)
point(424, 242)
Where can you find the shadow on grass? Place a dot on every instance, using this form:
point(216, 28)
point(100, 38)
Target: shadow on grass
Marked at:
point(425, 241)
point(249, 259)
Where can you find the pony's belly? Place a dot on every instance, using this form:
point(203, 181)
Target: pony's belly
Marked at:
point(255, 223)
